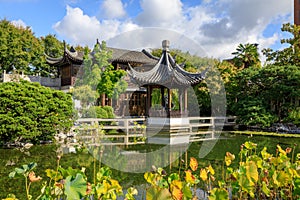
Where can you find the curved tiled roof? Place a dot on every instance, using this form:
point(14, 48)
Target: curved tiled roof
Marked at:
point(69, 56)
point(167, 73)
point(129, 56)
point(118, 55)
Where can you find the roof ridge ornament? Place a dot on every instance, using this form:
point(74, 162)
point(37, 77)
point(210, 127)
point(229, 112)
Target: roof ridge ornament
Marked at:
point(166, 45)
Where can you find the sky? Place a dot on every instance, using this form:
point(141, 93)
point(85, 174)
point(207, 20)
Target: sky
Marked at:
point(211, 28)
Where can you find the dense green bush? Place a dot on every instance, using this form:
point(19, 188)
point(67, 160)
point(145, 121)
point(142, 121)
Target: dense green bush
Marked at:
point(104, 112)
point(31, 112)
point(294, 116)
point(110, 111)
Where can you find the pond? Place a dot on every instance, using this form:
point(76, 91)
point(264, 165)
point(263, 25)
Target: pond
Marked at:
point(129, 163)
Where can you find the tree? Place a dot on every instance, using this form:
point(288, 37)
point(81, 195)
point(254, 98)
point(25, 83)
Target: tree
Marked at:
point(53, 48)
point(289, 55)
point(246, 55)
point(110, 82)
point(274, 90)
point(20, 49)
point(31, 112)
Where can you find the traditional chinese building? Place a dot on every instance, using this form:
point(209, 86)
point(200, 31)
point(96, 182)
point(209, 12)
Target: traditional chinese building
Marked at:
point(166, 77)
point(67, 65)
point(146, 74)
point(132, 102)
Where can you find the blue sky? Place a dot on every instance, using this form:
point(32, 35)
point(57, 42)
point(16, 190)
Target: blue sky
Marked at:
point(216, 26)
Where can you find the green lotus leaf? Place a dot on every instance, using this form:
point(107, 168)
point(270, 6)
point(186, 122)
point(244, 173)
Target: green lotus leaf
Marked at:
point(75, 188)
point(218, 194)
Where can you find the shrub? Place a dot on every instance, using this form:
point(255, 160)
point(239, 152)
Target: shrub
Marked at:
point(110, 111)
point(31, 112)
point(101, 113)
point(294, 116)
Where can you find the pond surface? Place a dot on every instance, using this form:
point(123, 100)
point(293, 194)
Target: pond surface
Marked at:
point(131, 162)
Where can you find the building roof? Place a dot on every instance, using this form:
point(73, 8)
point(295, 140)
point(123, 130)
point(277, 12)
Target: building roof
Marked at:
point(118, 55)
point(166, 72)
point(69, 56)
point(129, 56)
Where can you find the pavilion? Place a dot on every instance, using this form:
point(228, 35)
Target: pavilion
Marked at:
point(167, 77)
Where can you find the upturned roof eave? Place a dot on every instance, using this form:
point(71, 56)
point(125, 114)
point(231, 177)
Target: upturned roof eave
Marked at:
point(166, 72)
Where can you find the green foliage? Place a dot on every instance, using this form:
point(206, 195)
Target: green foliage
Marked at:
point(31, 112)
point(289, 55)
point(75, 188)
point(294, 116)
point(252, 112)
point(27, 172)
point(262, 175)
point(89, 112)
point(258, 175)
point(20, 49)
point(262, 96)
point(91, 71)
point(246, 56)
point(85, 94)
point(110, 111)
point(104, 112)
point(53, 47)
point(69, 183)
point(111, 83)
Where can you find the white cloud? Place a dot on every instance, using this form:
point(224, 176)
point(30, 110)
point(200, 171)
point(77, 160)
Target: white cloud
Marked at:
point(19, 23)
point(84, 30)
point(160, 13)
point(113, 9)
point(218, 26)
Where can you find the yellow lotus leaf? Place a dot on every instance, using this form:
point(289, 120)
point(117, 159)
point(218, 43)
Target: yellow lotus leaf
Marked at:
point(115, 183)
point(210, 169)
point(265, 155)
point(229, 158)
point(193, 163)
point(294, 173)
point(177, 194)
point(203, 174)
point(281, 150)
point(103, 189)
point(189, 177)
point(251, 171)
point(177, 183)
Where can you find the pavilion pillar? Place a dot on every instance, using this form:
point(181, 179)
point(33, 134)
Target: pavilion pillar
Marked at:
point(185, 100)
point(169, 101)
point(148, 101)
point(181, 101)
point(162, 92)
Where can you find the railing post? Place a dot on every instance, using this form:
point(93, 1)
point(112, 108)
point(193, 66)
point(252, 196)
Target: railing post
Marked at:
point(213, 127)
point(127, 131)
